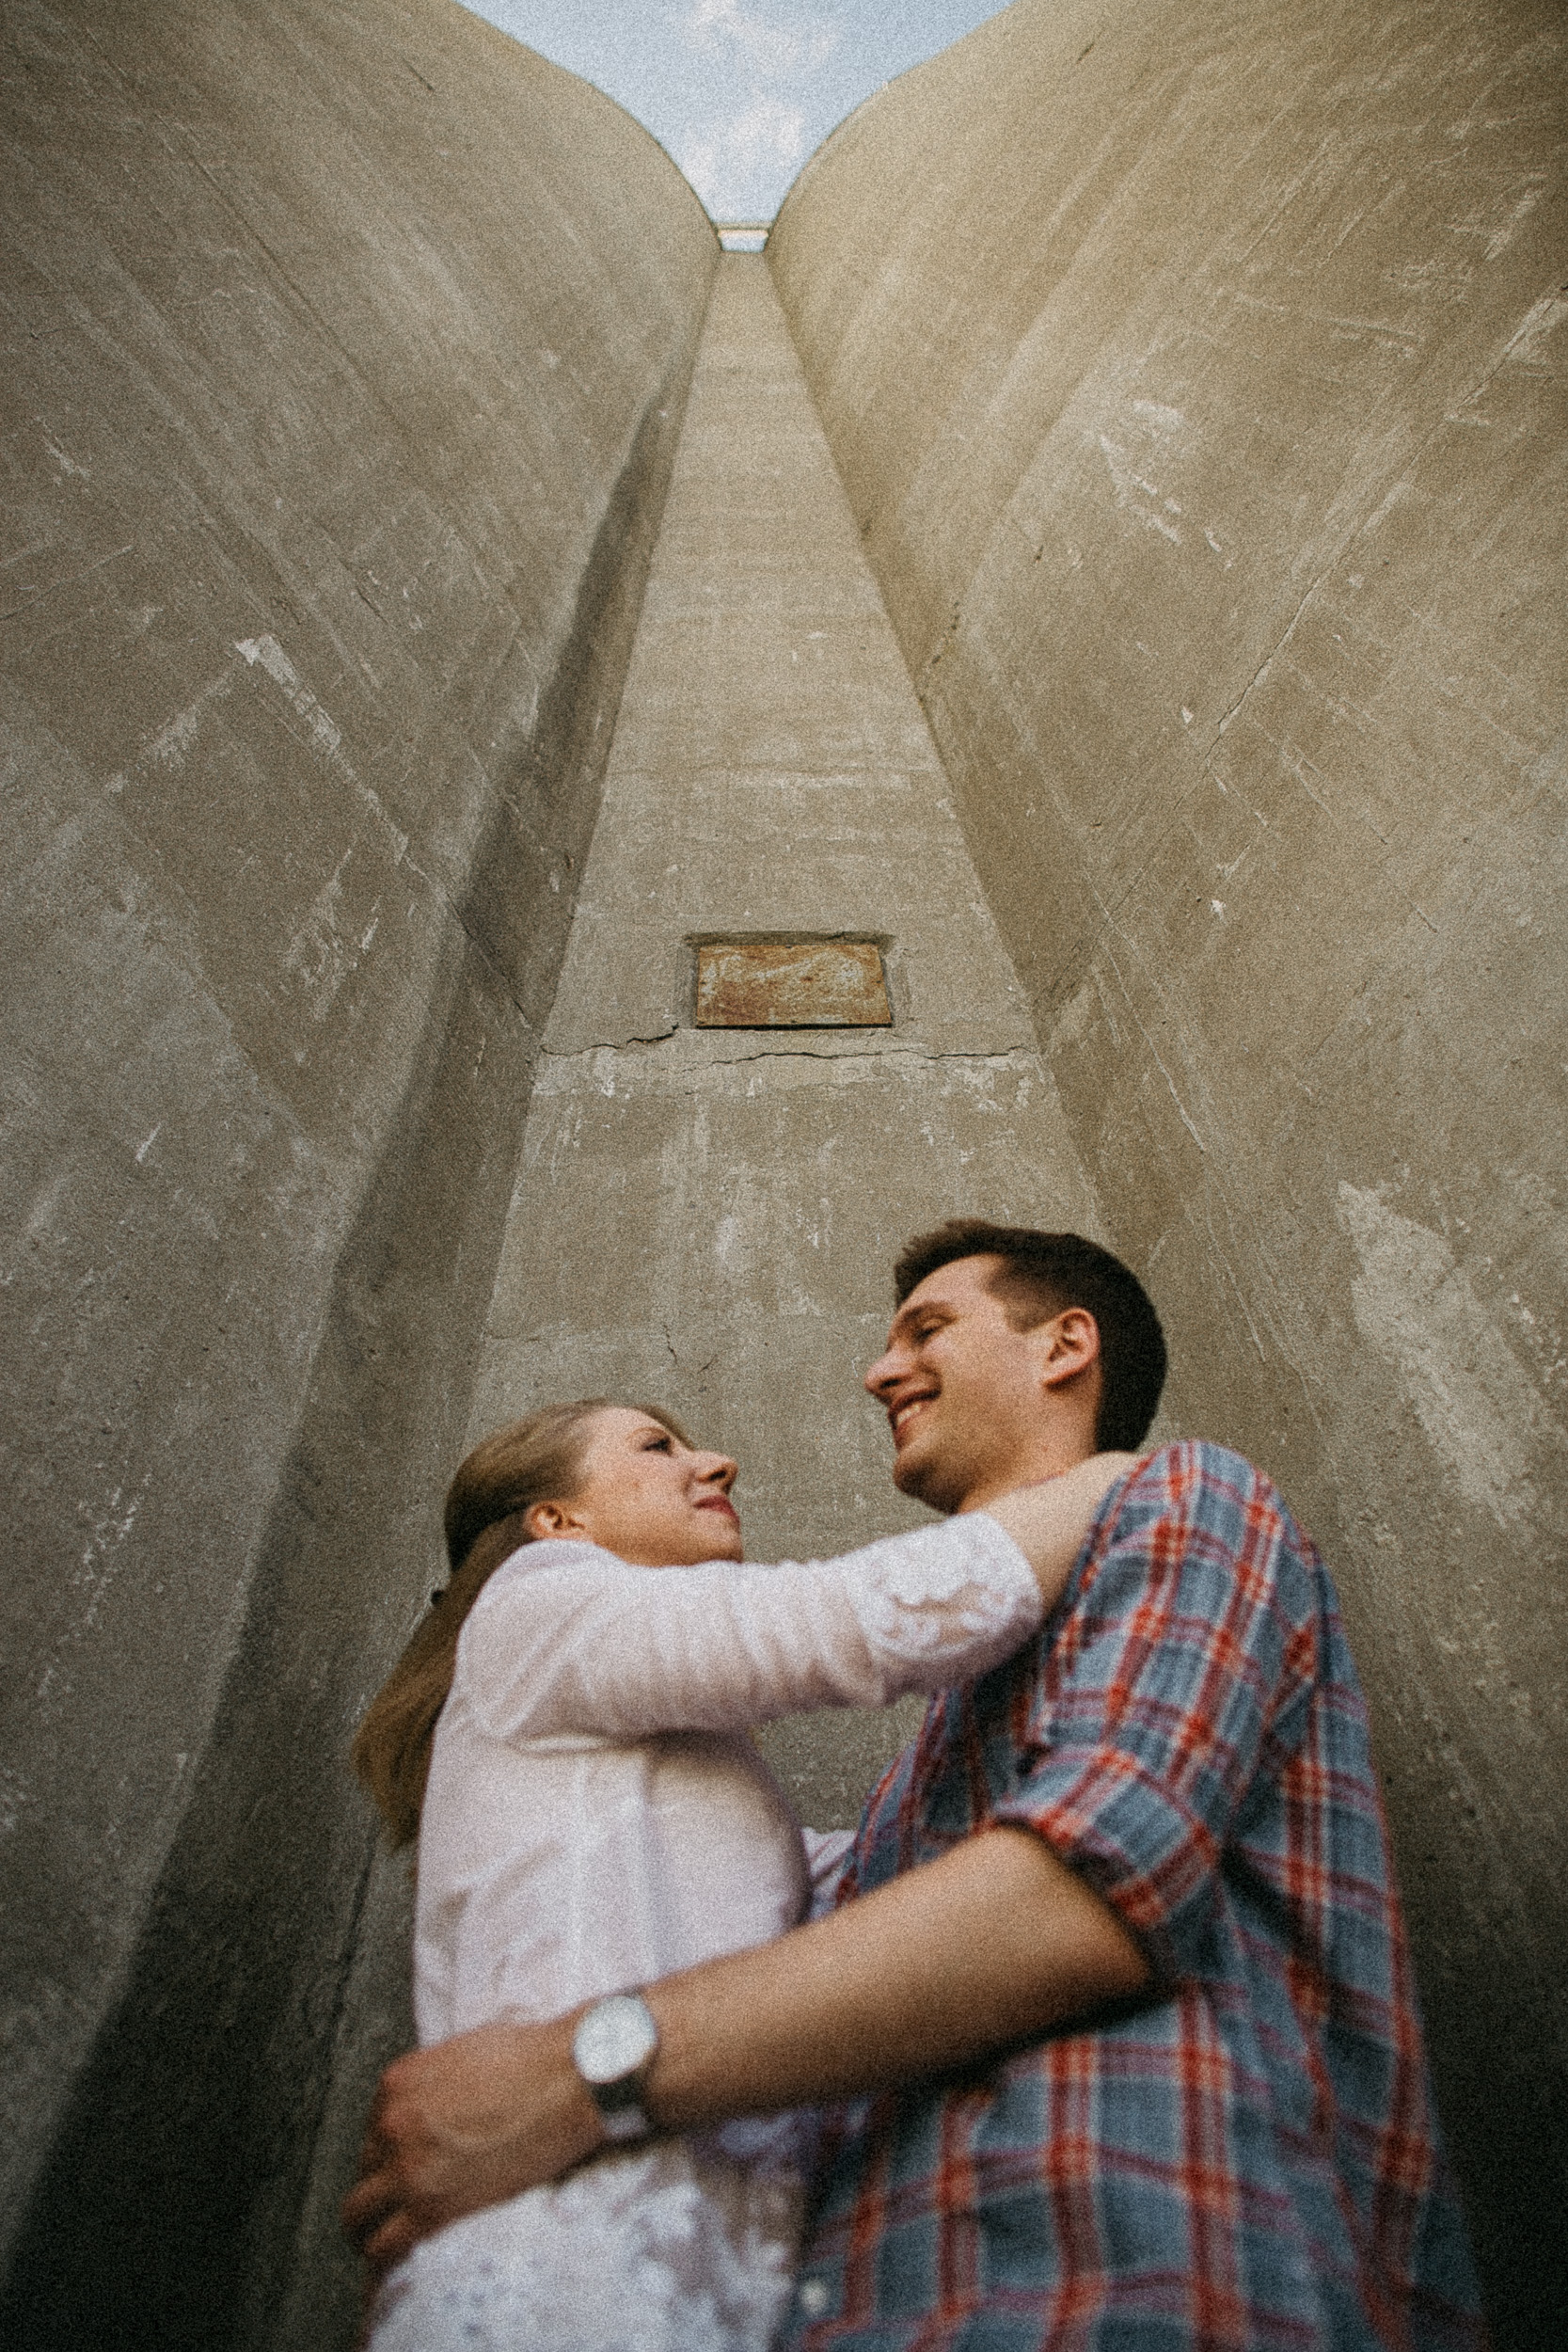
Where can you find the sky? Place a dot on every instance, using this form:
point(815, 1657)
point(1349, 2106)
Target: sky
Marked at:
point(741, 92)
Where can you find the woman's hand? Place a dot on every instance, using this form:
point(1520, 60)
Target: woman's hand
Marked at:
point(1049, 1523)
point(464, 2124)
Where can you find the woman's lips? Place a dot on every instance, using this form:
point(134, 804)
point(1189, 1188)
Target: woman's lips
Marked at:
point(719, 1502)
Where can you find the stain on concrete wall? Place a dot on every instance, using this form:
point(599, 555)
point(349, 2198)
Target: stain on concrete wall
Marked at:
point(1196, 379)
point(339, 409)
point(1418, 1307)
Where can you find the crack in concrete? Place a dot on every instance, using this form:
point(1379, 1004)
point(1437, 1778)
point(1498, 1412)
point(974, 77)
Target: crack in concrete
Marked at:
point(608, 1044)
point(1276, 650)
point(1111, 930)
point(900, 1053)
point(800, 1052)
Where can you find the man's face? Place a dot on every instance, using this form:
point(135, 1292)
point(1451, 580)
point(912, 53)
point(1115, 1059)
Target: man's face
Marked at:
point(969, 1400)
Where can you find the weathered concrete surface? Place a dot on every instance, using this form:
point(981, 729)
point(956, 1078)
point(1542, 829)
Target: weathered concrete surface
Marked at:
point(1196, 378)
point(709, 1217)
point(339, 406)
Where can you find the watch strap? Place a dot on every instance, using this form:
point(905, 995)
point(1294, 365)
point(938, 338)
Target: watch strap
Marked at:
point(616, 2090)
point(621, 2109)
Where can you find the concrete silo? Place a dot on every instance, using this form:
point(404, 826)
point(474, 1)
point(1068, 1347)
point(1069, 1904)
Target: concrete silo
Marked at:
point(1108, 568)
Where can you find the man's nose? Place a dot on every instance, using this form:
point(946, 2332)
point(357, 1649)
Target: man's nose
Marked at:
point(883, 1373)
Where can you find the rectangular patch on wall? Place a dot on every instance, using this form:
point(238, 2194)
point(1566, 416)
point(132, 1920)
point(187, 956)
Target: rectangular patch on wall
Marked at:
point(791, 984)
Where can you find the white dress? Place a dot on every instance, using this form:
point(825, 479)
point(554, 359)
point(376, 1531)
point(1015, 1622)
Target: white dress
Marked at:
point(596, 1817)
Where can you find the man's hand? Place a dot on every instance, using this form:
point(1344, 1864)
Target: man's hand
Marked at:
point(994, 1944)
point(466, 2124)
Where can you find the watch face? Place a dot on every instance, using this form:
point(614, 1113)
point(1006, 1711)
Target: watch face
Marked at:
point(615, 2038)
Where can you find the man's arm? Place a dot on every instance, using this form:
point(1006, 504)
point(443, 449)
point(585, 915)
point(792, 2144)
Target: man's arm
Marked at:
point(994, 1944)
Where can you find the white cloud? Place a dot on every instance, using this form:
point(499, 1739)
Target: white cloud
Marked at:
point(731, 157)
point(754, 62)
point(770, 48)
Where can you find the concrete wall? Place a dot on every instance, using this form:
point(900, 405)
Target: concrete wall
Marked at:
point(1196, 376)
point(345, 349)
point(708, 1218)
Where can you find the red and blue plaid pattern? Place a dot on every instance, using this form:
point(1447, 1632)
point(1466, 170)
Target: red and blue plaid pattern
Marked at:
point(1251, 2158)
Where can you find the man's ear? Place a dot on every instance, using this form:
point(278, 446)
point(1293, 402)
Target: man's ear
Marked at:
point(1071, 1346)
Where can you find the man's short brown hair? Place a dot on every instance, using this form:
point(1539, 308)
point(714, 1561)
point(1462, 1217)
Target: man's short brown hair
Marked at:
point(1044, 1273)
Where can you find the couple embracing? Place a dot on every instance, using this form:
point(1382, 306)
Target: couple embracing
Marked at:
point(1102, 2032)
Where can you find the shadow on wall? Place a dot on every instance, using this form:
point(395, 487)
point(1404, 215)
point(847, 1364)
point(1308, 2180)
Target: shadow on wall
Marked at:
point(202, 2093)
point(349, 418)
point(1196, 376)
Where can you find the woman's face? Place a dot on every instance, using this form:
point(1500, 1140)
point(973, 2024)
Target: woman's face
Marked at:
point(647, 1497)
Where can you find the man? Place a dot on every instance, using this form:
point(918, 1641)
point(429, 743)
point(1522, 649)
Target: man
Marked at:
point(1117, 1984)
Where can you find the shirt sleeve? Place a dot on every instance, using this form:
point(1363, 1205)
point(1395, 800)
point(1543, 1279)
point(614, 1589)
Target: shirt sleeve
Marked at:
point(593, 1645)
point(1180, 1664)
point(827, 1853)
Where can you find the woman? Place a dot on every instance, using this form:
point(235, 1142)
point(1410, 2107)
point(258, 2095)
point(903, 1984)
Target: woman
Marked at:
point(567, 1732)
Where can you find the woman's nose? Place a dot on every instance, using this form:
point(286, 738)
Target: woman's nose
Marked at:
point(717, 1470)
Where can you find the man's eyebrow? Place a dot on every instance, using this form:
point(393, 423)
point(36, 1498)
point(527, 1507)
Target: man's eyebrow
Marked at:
point(912, 1311)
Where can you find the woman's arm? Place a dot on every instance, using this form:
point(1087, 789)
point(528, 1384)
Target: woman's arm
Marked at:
point(599, 1647)
point(1049, 1523)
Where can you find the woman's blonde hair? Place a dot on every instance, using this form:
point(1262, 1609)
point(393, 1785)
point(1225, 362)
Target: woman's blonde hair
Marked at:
point(536, 1460)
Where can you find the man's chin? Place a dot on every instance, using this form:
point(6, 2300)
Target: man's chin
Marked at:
point(917, 1475)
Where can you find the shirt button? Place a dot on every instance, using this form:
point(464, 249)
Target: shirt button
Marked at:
point(812, 2297)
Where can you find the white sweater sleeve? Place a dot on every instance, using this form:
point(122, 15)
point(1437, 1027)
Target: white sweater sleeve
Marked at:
point(580, 1643)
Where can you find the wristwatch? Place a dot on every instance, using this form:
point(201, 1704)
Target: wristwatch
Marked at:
point(615, 2043)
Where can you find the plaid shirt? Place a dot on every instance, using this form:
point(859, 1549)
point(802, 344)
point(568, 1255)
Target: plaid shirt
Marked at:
point(1250, 2158)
